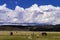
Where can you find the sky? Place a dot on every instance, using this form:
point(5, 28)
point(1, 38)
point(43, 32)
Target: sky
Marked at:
point(29, 11)
point(27, 3)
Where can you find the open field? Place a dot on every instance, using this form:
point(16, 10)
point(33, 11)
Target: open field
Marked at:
point(28, 35)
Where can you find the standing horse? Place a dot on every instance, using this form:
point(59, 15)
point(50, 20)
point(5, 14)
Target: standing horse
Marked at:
point(11, 33)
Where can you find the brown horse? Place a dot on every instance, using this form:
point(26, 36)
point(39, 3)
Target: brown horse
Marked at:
point(11, 33)
point(44, 34)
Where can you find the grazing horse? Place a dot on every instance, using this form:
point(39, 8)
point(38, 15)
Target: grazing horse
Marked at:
point(44, 34)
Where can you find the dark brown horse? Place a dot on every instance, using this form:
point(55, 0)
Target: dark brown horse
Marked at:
point(44, 34)
point(11, 33)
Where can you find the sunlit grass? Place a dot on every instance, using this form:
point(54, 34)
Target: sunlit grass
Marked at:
point(28, 35)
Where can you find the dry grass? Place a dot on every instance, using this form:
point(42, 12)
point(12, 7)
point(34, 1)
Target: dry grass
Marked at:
point(28, 35)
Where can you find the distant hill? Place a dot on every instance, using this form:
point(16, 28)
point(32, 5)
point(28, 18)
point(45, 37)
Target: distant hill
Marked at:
point(30, 28)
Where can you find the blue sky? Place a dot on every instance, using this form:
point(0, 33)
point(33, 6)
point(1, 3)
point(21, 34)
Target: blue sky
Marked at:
point(27, 3)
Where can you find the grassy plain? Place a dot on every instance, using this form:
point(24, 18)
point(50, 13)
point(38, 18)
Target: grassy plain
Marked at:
point(28, 35)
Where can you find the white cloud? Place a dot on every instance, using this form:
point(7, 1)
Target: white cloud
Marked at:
point(35, 14)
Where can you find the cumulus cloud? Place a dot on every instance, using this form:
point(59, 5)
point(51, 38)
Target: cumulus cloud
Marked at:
point(48, 14)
